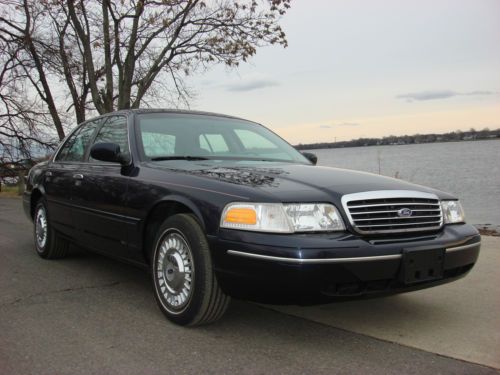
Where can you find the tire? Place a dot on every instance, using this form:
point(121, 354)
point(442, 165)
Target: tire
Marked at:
point(185, 285)
point(48, 244)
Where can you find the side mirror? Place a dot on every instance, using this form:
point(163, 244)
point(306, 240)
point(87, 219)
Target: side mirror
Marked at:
point(311, 157)
point(109, 152)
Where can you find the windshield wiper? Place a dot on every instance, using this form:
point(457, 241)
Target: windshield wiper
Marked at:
point(179, 157)
point(232, 158)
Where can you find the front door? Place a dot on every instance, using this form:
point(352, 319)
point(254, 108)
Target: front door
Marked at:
point(100, 210)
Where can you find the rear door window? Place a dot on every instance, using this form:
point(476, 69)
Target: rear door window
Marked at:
point(75, 147)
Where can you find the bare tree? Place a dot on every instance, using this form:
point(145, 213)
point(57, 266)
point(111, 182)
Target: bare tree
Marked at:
point(63, 59)
point(25, 124)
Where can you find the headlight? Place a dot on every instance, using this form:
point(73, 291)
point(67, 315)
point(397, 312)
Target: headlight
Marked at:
point(282, 218)
point(452, 212)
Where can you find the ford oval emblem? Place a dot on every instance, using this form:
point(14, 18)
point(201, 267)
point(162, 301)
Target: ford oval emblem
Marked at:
point(404, 212)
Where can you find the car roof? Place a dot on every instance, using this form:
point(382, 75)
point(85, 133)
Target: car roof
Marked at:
point(169, 110)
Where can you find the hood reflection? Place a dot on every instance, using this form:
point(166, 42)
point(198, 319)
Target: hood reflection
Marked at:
point(249, 176)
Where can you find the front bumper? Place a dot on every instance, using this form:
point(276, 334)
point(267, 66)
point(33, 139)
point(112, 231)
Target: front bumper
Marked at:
point(314, 268)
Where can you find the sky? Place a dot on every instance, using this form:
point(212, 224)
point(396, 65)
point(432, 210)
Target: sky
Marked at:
point(358, 68)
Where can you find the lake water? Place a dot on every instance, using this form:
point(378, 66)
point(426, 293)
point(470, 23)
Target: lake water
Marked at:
point(469, 170)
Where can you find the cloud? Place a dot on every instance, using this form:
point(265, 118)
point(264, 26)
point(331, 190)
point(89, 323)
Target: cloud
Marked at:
point(350, 124)
point(480, 93)
point(251, 85)
point(344, 124)
point(441, 94)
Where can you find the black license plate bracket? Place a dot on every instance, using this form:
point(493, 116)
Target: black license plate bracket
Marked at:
point(422, 265)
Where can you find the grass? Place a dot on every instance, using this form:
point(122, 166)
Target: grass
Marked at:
point(489, 232)
point(9, 191)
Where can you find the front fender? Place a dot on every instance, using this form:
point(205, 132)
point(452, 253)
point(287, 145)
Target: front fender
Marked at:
point(179, 199)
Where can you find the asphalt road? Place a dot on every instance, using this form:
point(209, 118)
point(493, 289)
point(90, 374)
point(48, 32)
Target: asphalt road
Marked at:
point(90, 315)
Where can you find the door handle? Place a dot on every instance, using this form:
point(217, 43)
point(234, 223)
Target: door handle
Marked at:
point(48, 174)
point(78, 176)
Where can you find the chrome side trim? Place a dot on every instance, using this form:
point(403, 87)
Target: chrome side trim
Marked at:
point(464, 247)
point(337, 260)
point(315, 261)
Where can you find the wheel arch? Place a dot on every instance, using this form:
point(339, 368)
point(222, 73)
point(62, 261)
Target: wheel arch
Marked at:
point(36, 194)
point(160, 211)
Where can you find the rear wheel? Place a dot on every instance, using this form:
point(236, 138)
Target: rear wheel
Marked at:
point(48, 244)
point(185, 285)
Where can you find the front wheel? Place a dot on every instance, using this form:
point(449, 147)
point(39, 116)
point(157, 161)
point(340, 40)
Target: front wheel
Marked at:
point(185, 285)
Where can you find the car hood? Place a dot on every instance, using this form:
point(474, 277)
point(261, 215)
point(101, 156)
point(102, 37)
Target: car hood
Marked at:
point(292, 182)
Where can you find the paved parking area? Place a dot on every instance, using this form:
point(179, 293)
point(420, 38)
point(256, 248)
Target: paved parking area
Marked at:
point(460, 320)
point(87, 314)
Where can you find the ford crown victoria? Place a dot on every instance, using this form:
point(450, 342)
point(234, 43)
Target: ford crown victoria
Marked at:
point(219, 207)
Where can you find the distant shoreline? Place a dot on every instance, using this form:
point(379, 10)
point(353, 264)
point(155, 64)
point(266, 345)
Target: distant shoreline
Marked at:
point(458, 136)
point(402, 144)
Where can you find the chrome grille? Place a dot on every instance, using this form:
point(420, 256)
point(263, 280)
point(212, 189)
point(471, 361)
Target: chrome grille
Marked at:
point(393, 211)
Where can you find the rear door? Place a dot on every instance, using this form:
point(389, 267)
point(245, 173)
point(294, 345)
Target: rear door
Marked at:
point(61, 175)
point(101, 195)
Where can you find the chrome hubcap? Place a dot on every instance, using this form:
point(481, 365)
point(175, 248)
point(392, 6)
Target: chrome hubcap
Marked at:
point(41, 227)
point(174, 270)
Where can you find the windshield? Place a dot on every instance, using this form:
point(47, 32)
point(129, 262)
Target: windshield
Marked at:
point(173, 136)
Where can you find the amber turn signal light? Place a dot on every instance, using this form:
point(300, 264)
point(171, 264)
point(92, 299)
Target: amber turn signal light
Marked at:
point(239, 215)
